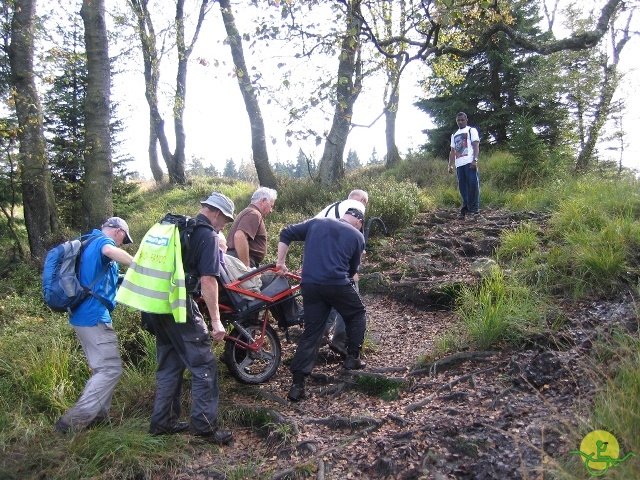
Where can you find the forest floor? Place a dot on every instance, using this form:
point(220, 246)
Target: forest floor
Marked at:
point(503, 414)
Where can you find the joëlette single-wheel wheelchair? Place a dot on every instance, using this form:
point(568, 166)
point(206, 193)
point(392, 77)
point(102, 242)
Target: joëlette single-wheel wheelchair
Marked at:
point(252, 350)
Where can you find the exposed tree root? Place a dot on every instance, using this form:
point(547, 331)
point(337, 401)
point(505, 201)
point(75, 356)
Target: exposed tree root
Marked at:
point(449, 386)
point(452, 361)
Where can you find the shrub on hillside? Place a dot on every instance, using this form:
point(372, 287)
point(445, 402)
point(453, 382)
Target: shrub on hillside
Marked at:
point(306, 196)
point(422, 170)
point(396, 203)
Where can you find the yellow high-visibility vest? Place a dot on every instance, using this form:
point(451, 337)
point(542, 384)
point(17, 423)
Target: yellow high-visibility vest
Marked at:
point(155, 280)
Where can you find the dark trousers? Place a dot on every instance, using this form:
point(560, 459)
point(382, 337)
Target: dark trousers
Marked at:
point(469, 186)
point(179, 346)
point(318, 301)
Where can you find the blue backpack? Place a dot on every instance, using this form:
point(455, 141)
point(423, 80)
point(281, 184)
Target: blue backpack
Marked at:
point(61, 288)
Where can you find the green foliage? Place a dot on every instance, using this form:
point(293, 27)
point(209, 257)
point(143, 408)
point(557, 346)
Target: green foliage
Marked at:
point(537, 161)
point(493, 88)
point(381, 387)
point(126, 452)
point(596, 239)
point(590, 246)
point(524, 167)
point(306, 197)
point(163, 199)
point(521, 242)
point(618, 403)
point(42, 367)
point(127, 198)
point(449, 341)
point(501, 310)
point(615, 406)
point(397, 204)
point(423, 170)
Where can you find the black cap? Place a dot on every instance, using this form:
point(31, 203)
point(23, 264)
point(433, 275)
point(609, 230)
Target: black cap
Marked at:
point(354, 212)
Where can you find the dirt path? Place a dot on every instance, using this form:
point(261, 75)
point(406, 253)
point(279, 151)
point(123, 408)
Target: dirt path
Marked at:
point(485, 415)
point(502, 415)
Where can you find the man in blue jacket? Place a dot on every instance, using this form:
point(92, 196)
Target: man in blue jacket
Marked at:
point(331, 258)
point(91, 321)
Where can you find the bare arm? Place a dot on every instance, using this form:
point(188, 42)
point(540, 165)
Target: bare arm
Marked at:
point(452, 159)
point(209, 288)
point(476, 153)
point(117, 254)
point(283, 249)
point(241, 245)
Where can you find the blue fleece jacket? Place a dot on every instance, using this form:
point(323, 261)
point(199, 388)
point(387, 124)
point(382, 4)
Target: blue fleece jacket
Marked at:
point(332, 249)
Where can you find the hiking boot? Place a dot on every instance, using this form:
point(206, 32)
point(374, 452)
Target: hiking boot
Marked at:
point(99, 422)
point(296, 393)
point(220, 437)
point(353, 363)
point(460, 216)
point(62, 427)
point(178, 427)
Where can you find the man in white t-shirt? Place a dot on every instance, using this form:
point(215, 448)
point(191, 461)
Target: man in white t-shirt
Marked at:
point(357, 199)
point(464, 155)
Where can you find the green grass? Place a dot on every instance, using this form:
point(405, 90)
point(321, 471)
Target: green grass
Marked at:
point(518, 243)
point(614, 408)
point(500, 311)
point(590, 248)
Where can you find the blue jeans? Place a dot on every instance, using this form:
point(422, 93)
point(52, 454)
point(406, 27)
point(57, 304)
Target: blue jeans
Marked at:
point(179, 346)
point(469, 186)
point(318, 301)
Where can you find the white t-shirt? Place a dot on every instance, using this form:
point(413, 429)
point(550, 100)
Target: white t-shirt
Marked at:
point(343, 206)
point(463, 146)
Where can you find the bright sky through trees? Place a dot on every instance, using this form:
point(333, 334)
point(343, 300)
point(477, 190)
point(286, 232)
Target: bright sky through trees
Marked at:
point(217, 125)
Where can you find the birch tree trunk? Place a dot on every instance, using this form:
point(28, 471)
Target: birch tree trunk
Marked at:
point(258, 133)
point(331, 167)
point(175, 160)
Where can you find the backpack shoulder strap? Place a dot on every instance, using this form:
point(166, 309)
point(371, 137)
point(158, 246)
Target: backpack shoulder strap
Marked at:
point(334, 207)
point(187, 229)
point(89, 289)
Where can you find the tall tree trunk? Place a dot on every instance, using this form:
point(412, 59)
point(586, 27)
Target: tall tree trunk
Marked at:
point(175, 161)
point(40, 214)
point(258, 133)
point(97, 202)
point(391, 113)
point(156, 170)
point(607, 90)
point(393, 155)
point(331, 167)
point(176, 167)
point(151, 61)
point(394, 68)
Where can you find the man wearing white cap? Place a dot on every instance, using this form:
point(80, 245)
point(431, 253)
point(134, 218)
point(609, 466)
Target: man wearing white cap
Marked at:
point(91, 321)
point(188, 345)
point(332, 251)
point(357, 199)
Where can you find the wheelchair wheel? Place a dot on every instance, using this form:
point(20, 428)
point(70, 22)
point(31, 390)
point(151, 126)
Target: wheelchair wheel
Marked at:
point(251, 367)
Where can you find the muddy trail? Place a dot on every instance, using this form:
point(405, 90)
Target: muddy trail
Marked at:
point(503, 414)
